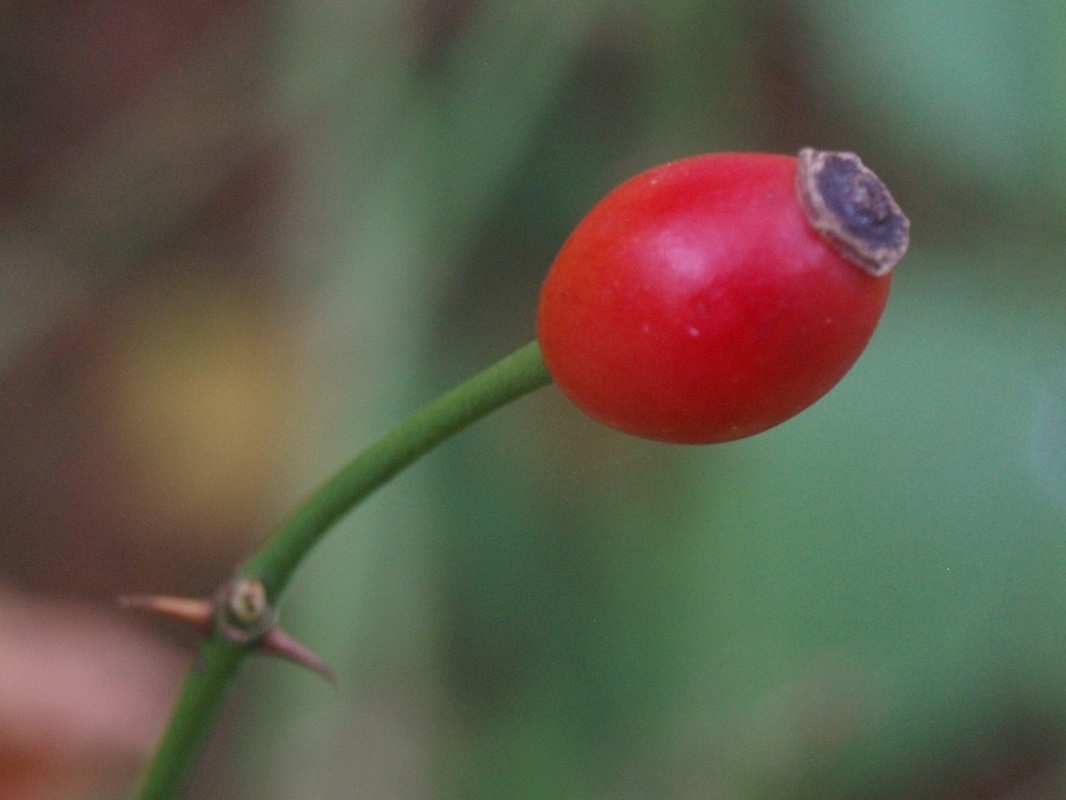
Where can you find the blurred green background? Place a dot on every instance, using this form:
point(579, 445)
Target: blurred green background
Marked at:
point(241, 240)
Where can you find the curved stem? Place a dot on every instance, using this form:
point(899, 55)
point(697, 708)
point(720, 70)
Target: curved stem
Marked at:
point(506, 380)
point(194, 716)
point(274, 564)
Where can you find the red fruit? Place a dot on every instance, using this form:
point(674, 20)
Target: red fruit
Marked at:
point(712, 298)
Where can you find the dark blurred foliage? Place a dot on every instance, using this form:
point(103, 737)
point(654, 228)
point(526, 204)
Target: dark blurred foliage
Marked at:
point(240, 239)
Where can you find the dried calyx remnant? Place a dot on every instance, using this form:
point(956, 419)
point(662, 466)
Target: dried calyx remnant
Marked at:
point(852, 209)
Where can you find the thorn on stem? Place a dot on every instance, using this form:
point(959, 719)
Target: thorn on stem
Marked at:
point(241, 612)
point(279, 643)
point(195, 611)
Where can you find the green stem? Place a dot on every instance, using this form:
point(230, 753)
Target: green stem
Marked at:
point(274, 564)
point(194, 716)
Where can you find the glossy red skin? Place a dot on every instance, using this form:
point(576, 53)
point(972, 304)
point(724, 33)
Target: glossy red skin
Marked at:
point(696, 304)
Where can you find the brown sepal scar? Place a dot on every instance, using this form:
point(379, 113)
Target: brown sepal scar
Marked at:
point(852, 209)
point(240, 612)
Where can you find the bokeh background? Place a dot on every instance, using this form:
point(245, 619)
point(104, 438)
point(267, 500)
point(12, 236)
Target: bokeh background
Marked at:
point(239, 239)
